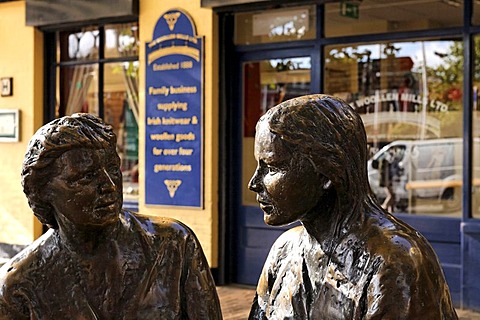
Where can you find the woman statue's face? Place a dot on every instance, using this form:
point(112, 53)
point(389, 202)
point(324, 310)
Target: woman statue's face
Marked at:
point(86, 189)
point(287, 184)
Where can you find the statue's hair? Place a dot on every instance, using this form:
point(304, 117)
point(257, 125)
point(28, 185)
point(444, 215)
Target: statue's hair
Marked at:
point(330, 134)
point(80, 130)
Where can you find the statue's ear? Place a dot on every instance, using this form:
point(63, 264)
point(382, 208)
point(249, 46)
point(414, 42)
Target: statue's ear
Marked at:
point(45, 194)
point(325, 182)
point(327, 185)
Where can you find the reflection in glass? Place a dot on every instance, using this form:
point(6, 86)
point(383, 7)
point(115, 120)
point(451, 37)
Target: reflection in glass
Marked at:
point(476, 129)
point(121, 111)
point(275, 25)
point(121, 40)
point(77, 90)
point(265, 84)
point(476, 13)
point(382, 16)
point(81, 45)
point(409, 95)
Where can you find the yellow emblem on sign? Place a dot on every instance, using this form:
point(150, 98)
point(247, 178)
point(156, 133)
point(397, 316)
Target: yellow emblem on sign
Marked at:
point(172, 186)
point(171, 19)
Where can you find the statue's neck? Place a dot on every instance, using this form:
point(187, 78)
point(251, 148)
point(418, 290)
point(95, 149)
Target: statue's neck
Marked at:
point(322, 228)
point(88, 240)
point(323, 221)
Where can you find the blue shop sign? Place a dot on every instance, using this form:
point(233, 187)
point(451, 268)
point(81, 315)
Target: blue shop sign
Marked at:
point(174, 113)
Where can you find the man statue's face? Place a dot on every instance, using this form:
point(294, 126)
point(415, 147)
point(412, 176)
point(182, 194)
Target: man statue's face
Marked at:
point(287, 184)
point(86, 188)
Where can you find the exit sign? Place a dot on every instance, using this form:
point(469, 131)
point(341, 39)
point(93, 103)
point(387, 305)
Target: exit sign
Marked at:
point(349, 9)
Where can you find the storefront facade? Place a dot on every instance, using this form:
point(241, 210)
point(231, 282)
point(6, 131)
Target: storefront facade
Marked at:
point(410, 68)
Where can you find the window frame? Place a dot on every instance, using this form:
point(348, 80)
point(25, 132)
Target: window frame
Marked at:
point(466, 32)
point(50, 72)
point(51, 65)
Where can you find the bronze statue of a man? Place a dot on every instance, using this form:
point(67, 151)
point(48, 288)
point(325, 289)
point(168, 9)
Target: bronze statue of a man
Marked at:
point(349, 259)
point(97, 261)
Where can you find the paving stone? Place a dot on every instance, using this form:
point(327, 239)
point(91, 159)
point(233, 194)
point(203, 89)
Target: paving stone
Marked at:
point(236, 301)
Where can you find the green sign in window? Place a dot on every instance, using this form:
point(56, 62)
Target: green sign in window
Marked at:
point(349, 9)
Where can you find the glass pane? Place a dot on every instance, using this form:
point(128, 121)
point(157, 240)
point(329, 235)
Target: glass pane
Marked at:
point(476, 13)
point(378, 16)
point(265, 84)
point(77, 90)
point(476, 131)
point(275, 25)
point(121, 40)
point(409, 95)
point(121, 111)
point(78, 45)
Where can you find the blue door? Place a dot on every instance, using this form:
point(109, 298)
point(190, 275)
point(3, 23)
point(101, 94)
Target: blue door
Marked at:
point(265, 83)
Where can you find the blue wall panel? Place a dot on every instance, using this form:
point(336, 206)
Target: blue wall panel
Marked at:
point(445, 237)
point(471, 263)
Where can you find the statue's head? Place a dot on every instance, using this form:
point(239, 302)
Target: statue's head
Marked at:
point(311, 151)
point(65, 162)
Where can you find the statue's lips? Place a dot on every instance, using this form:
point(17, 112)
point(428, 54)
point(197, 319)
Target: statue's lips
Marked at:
point(108, 204)
point(265, 205)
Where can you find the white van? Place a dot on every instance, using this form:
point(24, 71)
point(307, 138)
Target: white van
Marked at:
point(422, 169)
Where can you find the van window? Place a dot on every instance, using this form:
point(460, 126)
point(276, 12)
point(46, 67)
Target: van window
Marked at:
point(425, 178)
point(433, 162)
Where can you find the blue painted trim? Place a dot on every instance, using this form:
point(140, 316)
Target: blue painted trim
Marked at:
point(467, 149)
point(374, 37)
point(407, 35)
point(317, 80)
point(258, 48)
point(468, 66)
point(131, 205)
point(471, 228)
point(275, 54)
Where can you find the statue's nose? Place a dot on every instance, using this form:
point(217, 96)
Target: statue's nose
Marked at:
point(254, 183)
point(106, 182)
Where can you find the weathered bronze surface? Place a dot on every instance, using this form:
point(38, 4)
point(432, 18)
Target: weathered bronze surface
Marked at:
point(349, 259)
point(97, 261)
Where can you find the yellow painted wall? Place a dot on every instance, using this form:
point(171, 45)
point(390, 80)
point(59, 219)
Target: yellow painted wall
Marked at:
point(21, 57)
point(203, 222)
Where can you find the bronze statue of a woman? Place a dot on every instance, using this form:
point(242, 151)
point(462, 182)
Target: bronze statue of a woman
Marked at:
point(98, 261)
point(349, 259)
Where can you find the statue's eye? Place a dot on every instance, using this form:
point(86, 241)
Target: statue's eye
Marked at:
point(114, 171)
point(87, 177)
point(273, 169)
point(90, 175)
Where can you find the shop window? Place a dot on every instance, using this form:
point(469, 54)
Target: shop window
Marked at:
point(121, 40)
point(275, 25)
point(80, 45)
point(97, 72)
point(267, 83)
point(409, 95)
point(347, 18)
point(476, 13)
